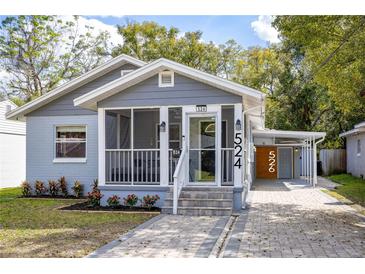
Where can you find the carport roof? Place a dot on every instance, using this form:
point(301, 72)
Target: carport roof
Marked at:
point(287, 133)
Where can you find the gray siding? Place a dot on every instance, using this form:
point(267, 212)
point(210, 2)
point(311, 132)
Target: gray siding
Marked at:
point(185, 92)
point(285, 164)
point(65, 106)
point(355, 163)
point(40, 150)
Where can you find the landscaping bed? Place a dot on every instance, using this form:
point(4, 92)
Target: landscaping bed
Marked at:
point(52, 197)
point(87, 207)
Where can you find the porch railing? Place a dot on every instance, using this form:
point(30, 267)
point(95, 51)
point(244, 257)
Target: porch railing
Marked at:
point(227, 166)
point(137, 166)
point(179, 178)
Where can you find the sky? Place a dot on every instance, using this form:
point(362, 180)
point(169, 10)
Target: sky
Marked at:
point(246, 30)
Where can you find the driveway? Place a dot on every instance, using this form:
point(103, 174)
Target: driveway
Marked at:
point(168, 236)
point(292, 219)
point(283, 219)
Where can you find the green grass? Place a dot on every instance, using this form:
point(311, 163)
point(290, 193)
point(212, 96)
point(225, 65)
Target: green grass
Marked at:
point(35, 228)
point(352, 188)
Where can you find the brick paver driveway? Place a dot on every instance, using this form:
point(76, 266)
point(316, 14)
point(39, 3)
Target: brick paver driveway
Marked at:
point(289, 219)
point(168, 236)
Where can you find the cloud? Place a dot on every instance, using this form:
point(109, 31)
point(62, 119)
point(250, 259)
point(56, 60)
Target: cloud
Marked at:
point(98, 27)
point(264, 30)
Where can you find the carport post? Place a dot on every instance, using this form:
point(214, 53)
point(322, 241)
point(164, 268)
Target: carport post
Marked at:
point(314, 162)
point(310, 160)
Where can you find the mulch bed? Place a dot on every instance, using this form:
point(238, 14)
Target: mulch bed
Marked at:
point(87, 207)
point(53, 197)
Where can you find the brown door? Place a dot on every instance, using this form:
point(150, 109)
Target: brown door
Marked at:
point(266, 162)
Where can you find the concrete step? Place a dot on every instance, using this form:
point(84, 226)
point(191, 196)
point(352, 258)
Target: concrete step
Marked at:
point(195, 211)
point(188, 202)
point(208, 188)
point(206, 195)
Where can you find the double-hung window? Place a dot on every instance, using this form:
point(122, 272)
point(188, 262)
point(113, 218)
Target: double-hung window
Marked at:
point(70, 144)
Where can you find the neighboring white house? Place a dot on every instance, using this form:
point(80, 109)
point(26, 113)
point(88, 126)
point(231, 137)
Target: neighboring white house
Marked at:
point(355, 150)
point(12, 148)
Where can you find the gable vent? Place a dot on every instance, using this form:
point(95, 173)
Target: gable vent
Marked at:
point(166, 79)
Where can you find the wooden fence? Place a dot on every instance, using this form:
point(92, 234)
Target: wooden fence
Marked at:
point(333, 161)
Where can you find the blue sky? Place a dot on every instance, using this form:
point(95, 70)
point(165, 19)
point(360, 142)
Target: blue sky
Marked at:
point(215, 28)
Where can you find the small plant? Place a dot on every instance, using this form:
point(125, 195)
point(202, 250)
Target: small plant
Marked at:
point(26, 189)
point(40, 188)
point(95, 195)
point(150, 200)
point(78, 188)
point(131, 200)
point(94, 185)
point(53, 187)
point(113, 201)
point(63, 185)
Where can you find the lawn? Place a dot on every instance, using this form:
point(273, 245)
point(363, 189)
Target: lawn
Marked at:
point(352, 188)
point(35, 228)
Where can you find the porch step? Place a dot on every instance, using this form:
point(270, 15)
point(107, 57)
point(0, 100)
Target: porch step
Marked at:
point(186, 202)
point(201, 200)
point(196, 211)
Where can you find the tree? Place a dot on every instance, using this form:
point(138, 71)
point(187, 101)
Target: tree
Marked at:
point(39, 53)
point(333, 49)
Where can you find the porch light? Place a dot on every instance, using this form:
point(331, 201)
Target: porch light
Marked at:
point(238, 124)
point(163, 127)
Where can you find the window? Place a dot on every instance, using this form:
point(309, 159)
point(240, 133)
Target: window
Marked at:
point(166, 79)
point(358, 147)
point(70, 143)
point(125, 71)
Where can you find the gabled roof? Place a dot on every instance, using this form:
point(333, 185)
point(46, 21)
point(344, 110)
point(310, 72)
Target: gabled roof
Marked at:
point(90, 99)
point(73, 84)
point(358, 128)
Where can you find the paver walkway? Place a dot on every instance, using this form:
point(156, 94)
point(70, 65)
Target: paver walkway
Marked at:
point(168, 236)
point(291, 219)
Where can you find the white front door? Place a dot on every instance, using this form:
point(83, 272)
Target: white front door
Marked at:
point(202, 148)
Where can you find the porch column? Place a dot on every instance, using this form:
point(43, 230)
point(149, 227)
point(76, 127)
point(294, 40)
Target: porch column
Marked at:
point(238, 164)
point(314, 162)
point(101, 146)
point(164, 147)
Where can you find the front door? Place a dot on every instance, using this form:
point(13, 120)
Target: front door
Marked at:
point(202, 144)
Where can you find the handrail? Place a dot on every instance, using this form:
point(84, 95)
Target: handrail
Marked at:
point(178, 182)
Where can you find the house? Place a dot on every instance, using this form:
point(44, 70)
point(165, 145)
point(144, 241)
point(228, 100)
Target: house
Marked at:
point(160, 128)
point(355, 150)
point(12, 148)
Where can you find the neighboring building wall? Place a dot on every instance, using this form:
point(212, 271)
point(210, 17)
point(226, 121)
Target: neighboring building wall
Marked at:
point(12, 148)
point(355, 162)
point(186, 91)
point(41, 151)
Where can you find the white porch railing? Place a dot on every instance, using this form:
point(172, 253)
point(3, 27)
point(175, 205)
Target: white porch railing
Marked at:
point(179, 178)
point(137, 166)
point(227, 166)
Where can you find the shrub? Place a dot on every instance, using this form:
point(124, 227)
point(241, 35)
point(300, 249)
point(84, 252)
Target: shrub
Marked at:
point(113, 200)
point(150, 200)
point(40, 188)
point(95, 195)
point(78, 188)
point(26, 188)
point(53, 187)
point(63, 185)
point(131, 200)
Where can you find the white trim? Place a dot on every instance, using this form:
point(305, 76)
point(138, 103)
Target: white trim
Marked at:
point(89, 100)
point(354, 131)
point(73, 84)
point(164, 147)
point(164, 85)
point(101, 146)
point(286, 133)
point(238, 172)
point(69, 160)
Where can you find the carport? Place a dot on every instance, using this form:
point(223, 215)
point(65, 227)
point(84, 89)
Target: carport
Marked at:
point(283, 154)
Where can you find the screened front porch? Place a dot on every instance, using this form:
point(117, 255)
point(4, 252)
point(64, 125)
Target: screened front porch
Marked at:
point(143, 145)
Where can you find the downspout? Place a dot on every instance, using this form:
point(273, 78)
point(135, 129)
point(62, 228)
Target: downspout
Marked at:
point(315, 179)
